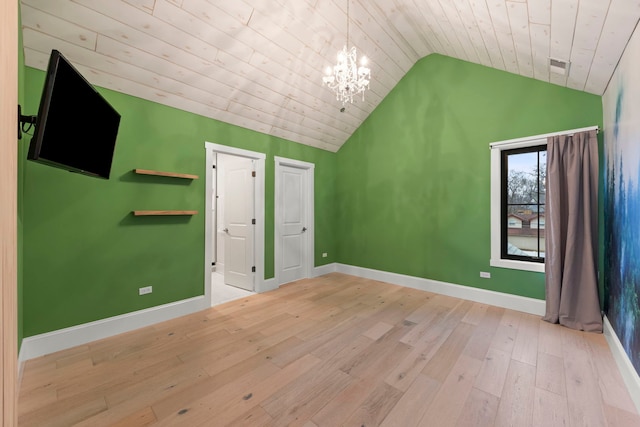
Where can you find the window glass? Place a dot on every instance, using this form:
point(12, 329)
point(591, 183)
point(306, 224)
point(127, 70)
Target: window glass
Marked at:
point(523, 203)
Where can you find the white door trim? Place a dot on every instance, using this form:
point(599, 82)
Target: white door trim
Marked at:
point(211, 148)
point(310, 251)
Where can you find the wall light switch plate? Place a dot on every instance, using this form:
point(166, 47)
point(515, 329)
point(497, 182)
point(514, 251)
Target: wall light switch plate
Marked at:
point(324, 254)
point(485, 275)
point(145, 290)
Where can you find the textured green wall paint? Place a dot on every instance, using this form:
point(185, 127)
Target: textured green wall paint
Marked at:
point(414, 179)
point(85, 255)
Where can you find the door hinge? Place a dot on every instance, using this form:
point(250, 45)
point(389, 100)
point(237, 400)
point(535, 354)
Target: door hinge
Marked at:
point(253, 221)
point(253, 269)
point(253, 174)
point(213, 263)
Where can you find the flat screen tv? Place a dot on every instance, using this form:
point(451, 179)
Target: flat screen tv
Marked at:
point(76, 128)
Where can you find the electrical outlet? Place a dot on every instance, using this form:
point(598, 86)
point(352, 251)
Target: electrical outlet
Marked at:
point(485, 275)
point(145, 290)
point(324, 254)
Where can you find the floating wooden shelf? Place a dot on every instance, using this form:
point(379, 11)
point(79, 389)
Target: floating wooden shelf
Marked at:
point(161, 173)
point(149, 213)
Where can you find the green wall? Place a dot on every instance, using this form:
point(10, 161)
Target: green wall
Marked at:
point(414, 180)
point(85, 255)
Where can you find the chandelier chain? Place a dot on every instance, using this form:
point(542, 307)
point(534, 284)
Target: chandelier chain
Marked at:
point(348, 23)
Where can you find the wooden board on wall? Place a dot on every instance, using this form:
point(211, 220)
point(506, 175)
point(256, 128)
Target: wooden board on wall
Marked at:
point(8, 209)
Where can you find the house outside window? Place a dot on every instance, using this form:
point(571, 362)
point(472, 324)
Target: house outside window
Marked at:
point(514, 222)
point(538, 222)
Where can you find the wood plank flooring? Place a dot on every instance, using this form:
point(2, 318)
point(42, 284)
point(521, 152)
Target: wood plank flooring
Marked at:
point(334, 351)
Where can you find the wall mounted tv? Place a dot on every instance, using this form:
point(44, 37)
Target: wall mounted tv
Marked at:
point(76, 128)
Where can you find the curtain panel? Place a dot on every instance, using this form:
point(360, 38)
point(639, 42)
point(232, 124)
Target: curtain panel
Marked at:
point(571, 247)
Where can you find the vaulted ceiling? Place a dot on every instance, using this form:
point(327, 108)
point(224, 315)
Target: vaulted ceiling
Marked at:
point(259, 64)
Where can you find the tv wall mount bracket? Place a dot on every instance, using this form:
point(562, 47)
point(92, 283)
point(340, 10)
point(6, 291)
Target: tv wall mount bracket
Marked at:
point(24, 120)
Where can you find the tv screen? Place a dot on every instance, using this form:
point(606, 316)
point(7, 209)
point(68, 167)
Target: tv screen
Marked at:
point(75, 128)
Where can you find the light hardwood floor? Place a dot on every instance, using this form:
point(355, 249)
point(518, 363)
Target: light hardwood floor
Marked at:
point(332, 351)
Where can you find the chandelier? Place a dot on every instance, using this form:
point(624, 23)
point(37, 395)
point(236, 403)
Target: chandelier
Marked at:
point(346, 78)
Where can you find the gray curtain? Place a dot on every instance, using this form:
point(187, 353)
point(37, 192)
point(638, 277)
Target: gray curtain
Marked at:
point(571, 232)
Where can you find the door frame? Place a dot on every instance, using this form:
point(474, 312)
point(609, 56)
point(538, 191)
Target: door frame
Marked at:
point(9, 81)
point(211, 149)
point(309, 259)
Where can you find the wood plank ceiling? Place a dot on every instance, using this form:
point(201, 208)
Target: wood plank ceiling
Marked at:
point(259, 64)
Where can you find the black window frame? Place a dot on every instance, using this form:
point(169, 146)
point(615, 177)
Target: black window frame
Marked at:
point(504, 225)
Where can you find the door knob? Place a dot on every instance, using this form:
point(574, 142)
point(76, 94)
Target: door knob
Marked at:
point(304, 229)
point(226, 230)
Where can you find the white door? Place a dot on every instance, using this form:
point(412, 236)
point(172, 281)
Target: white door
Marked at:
point(238, 222)
point(293, 223)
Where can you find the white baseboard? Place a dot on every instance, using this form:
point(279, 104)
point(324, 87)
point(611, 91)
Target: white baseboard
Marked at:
point(513, 302)
point(268, 285)
point(324, 269)
point(50, 342)
point(629, 374)
point(271, 284)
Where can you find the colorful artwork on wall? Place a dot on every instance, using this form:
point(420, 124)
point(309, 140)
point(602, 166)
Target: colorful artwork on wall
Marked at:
point(621, 105)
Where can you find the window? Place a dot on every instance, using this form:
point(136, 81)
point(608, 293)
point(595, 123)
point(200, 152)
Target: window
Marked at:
point(518, 169)
point(521, 213)
point(523, 172)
